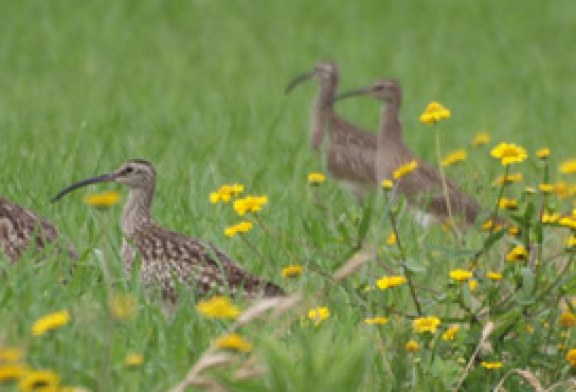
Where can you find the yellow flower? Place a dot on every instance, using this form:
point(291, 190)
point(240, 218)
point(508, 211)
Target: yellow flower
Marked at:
point(405, 169)
point(390, 281)
point(491, 365)
point(473, 284)
point(568, 167)
point(450, 333)
point(434, 112)
point(517, 253)
point(487, 225)
point(319, 314)
point(292, 271)
point(426, 324)
point(480, 139)
point(391, 240)
point(460, 275)
point(546, 188)
point(568, 221)
point(543, 153)
point(571, 241)
point(218, 307)
point(316, 178)
point(50, 322)
point(412, 346)
point(376, 320)
point(509, 153)
point(122, 306)
point(548, 218)
point(567, 319)
point(102, 200)
point(494, 275)
point(39, 380)
point(563, 190)
point(242, 227)
point(387, 184)
point(133, 360)
point(226, 192)
point(249, 204)
point(10, 354)
point(513, 230)
point(508, 204)
point(12, 371)
point(509, 179)
point(571, 357)
point(233, 342)
point(455, 156)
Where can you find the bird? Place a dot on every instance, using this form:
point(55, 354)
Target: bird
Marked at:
point(423, 188)
point(22, 230)
point(351, 150)
point(167, 256)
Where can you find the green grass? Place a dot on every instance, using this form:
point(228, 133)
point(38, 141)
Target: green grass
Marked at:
point(197, 88)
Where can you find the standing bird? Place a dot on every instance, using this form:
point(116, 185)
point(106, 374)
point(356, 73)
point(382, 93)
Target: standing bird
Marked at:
point(166, 255)
point(351, 150)
point(21, 229)
point(423, 187)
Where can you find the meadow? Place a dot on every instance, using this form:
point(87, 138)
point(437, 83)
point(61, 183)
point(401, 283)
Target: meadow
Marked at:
point(197, 87)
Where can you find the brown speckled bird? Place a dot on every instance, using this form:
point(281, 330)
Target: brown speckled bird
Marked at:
point(166, 255)
point(351, 150)
point(423, 187)
point(22, 230)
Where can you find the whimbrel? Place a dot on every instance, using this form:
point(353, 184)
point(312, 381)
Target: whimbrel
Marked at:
point(423, 187)
point(351, 150)
point(21, 228)
point(166, 255)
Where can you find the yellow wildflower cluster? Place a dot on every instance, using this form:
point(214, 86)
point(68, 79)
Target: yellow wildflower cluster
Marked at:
point(509, 153)
point(571, 241)
point(543, 153)
point(546, 188)
point(450, 333)
point(233, 342)
point(50, 322)
point(405, 169)
point(218, 307)
point(491, 365)
point(292, 271)
point(386, 282)
point(318, 314)
point(434, 112)
point(241, 227)
point(47, 379)
point(508, 204)
point(102, 200)
point(571, 357)
point(460, 275)
point(316, 178)
point(550, 218)
point(412, 346)
point(387, 184)
point(517, 253)
point(494, 275)
point(568, 167)
point(249, 204)
point(454, 157)
point(226, 192)
point(426, 324)
point(480, 139)
point(567, 319)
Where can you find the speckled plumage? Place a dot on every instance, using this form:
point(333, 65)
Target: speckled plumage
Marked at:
point(351, 150)
point(169, 258)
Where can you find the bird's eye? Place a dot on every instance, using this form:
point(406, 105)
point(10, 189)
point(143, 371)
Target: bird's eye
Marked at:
point(128, 169)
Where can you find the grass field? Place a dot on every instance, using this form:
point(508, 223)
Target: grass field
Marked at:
point(196, 87)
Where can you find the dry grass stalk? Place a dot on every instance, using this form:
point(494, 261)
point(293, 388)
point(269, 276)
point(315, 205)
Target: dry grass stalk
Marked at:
point(208, 360)
point(488, 328)
point(353, 264)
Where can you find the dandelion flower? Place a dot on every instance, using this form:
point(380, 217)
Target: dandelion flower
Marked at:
point(122, 306)
point(405, 169)
point(568, 167)
point(226, 192)
point(319, 314)
point(508, 204)
point(12, 371)
point(233, 342)
point(491, 365)
point(550, 218)
point(517, 253)
point(454, 157)
point(316, 178)
point(134, 360)
point(426, 324)
point(376, 320)
point(39, 380)
point(450, 333)
point(508, 179)
point(480, 139)
point(387, 184)
point(460, 275)
point(390, 281)
point(412, 346)
point(509, 153)
point(218, 307)
point(567, 319)
point(546, 188)
point(102, 200)
point(543, 153)
point(50, 322)
point(473, 284)
point(292, 271)
point(571, 357)
point(571, 241)
point(494, 275)
point(242, 227)
point(433, 113)
point(249, 204)
point(568, 221)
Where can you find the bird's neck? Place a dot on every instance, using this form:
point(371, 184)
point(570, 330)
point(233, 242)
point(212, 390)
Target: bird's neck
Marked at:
point(321, 111)
point(136, 210)
point(390, 125)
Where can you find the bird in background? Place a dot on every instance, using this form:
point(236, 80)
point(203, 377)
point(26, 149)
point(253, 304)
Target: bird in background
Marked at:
point(350, 150)
point(166, 256)
point(423, 188)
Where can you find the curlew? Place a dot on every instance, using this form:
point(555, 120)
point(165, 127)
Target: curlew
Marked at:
point(167, 256)
point(423, 187)
point(351, 150)
point(22, 229)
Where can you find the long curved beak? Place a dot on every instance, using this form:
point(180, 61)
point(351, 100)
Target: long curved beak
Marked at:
point(299, 79)
point(92, 180)
point(353, 93)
